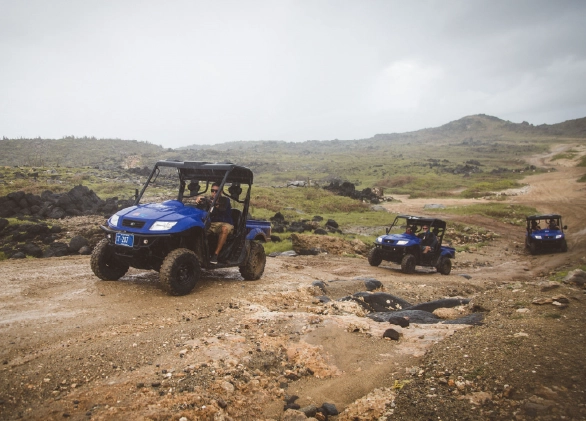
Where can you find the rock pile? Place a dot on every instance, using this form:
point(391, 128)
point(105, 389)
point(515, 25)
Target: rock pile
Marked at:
point(42, 239)
point(280, 225)
point(468, 235)
point(314, 245)
point(78, 201)
point(349, 190)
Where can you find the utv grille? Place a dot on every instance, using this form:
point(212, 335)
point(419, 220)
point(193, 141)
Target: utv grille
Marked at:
point(132, 223)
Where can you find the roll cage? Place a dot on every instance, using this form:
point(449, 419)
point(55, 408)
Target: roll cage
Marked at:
point(192, 173)
point(436, 226)
point(535, 220)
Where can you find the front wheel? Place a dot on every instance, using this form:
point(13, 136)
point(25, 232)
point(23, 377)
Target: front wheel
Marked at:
point(445, 266)
point(104, 263)
point(255, 262)
point(532, 248)
point(564, 246)
point(180, 272)
point(375, 257)
point(408, 263)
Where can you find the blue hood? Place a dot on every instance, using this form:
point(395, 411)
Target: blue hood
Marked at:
point(392, 239)
point(139, 219)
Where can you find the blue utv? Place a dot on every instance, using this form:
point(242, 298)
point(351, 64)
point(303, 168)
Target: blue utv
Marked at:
point(403, 244)
point(545, 233)
point(170, 237)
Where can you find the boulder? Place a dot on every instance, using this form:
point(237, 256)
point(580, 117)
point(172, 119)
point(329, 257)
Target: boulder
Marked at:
point(77, 243)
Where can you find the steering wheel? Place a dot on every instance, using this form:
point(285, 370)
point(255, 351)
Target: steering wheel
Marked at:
point(204, 204)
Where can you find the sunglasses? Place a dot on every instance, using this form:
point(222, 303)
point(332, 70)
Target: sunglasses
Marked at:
point(214, 191)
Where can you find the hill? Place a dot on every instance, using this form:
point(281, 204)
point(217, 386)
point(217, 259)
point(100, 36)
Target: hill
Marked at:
point(473, 149)
point(90, 151)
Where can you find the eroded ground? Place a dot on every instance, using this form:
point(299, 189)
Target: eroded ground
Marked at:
point(80, 348)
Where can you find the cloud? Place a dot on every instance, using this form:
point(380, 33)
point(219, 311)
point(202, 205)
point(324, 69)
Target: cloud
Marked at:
point(206, 72)
point(404, 85)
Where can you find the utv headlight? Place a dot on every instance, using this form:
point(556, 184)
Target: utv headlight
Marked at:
point(114, 220)
point(380, 239)
point(402, 242)
point(558, 236)
point(162, 226)
point(538, 237)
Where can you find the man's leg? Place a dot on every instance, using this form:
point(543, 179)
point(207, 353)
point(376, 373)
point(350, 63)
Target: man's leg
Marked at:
point(222, 236)
point(224, 230)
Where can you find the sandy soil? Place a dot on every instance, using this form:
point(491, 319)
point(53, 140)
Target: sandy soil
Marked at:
point(80, 348)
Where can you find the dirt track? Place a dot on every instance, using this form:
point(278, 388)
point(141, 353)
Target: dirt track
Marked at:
point(80, 348)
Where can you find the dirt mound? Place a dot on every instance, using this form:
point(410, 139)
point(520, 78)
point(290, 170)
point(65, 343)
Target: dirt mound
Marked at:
point(315, 244)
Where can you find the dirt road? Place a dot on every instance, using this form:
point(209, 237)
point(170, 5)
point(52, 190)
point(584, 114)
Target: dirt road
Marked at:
point(80, 348)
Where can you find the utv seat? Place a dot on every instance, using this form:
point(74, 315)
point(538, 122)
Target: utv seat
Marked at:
point(236, 216)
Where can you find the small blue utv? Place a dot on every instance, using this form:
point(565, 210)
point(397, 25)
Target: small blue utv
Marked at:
point(545, 233)
point(408, 244)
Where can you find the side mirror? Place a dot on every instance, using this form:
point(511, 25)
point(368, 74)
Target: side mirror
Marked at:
point(135, 194)
point(565, 227)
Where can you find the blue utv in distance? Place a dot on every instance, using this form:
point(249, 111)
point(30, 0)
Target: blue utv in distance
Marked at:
point(545, 233)
point(170, 237)
point(405, 249)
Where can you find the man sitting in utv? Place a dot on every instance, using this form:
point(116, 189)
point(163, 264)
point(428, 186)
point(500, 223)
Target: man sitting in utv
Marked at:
point(552, 225)
point(221, 218)
point(428, 240)
point(535, 226)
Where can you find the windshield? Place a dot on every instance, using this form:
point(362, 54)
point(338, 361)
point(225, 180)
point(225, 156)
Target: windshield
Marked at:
point(400, 225)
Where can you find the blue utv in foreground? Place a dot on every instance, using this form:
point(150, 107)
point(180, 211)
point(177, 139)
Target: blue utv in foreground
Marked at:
point(170, 237)
point(545, 233)
point(403, 244)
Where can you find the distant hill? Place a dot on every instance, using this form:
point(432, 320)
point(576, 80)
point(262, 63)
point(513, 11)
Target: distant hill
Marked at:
point(489, 140)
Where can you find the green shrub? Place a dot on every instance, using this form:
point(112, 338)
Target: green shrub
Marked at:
point(487, 188)
point(566, 155)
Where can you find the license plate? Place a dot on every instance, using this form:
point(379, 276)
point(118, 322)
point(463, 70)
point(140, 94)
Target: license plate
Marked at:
point(124, 239)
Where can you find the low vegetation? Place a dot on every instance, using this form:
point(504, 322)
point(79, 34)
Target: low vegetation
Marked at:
point(511, 214)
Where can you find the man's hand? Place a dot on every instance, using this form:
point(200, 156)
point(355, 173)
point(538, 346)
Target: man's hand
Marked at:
point(202, 202)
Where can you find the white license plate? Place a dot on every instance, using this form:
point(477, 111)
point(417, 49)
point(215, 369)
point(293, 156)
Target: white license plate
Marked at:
point(124, 239)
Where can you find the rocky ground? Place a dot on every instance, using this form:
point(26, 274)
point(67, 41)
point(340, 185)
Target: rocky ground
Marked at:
point(79, 348)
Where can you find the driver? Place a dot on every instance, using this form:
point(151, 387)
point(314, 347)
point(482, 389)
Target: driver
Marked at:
point(221, 218)
point(428, 240)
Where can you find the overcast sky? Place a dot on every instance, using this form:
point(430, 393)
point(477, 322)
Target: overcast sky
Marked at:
point(176, 72)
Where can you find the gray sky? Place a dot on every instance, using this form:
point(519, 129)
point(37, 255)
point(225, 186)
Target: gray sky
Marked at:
point(177, 72)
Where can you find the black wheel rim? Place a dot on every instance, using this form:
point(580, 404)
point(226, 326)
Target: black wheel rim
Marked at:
point(185, 275)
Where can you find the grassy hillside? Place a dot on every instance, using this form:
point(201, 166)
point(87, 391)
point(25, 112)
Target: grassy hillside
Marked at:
point(467, 157)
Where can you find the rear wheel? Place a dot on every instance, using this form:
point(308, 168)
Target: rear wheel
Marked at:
point(445, 265)
point(104, 263)
point(408, 263)
point(255, 262)
point(180, 272)
point(375, 257)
